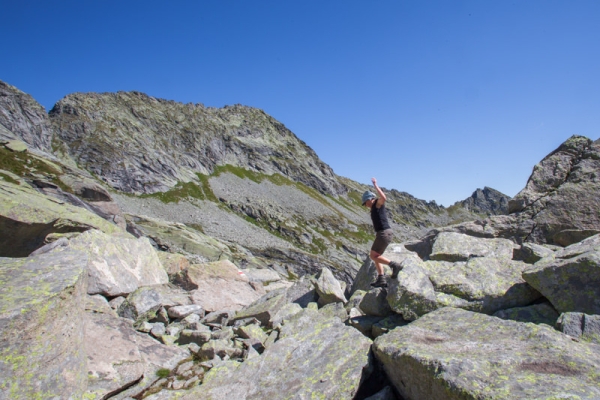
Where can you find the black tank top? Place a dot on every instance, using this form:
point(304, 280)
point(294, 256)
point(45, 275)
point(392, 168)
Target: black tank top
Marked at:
point(379, 217)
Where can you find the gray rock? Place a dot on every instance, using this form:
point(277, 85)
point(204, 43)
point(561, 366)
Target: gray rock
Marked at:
point(146, 302)
point(561, 195)
point(42, 326)
point(334, 310)
point(198, 337)
point(532, 253)
point(220, 286)
point(328, 288)
point(158, 330)
point(452, 246)
point(375, 303)
point(302, 292)
point(542, 313)
point(483, 284)
point(285, 312)
point(23, 118)
point(265, 312)
point(119, 265)
point(183, 311)
point(486, 358)
point(486, 201)
point(387, 324)
point(116, 302)
point(580, 325)
point(364, 323)
point(313, 355)
point(118, 356)
point(27, 217)
point(571, 284)
point(252, 331)
point(221, 348)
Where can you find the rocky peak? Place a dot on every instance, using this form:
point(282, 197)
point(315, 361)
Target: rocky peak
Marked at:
point(140, 144)
point(561, 195)
point(486, 201)
point(23, 118)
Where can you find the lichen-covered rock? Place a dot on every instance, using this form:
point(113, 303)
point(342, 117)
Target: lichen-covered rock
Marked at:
point(27, 217)
point(183, 310)
point(452, 246)
point(433, 359)
point(367, 272)
point(542, 313)
point(220, 286)
point(484, 284)
point(328, 288)
point(561, 195)
point(120, 358)
point(315, 357)
point(264, 311)
point(143, 303)
point(375, 303)
point(23, 118)
point(580, 325)
point(119, 265)
point(570, 284)
point(387, 324)
point(41, 326)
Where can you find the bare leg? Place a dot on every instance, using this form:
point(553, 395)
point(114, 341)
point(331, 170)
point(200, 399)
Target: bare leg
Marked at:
point(378, 259)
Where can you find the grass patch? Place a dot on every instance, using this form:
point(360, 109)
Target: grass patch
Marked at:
point(25, 165)
point(163, 373)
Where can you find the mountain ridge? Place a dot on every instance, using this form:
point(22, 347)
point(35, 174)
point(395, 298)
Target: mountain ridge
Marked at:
point(209, 167)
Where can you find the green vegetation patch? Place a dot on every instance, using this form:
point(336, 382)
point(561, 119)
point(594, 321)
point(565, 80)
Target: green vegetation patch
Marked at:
point(25, 165)
point(197, 190)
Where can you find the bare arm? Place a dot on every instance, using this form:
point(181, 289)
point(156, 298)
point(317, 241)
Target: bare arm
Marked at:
point(380, 193)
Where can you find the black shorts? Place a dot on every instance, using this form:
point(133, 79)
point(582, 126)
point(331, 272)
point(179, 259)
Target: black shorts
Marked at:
point(382, 240)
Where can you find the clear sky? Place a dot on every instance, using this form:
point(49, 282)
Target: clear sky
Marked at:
point(434, 98)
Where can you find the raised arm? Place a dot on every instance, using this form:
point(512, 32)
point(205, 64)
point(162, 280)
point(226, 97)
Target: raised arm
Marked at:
point(379, 192)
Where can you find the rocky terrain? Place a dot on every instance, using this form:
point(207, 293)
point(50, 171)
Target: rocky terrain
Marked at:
point(155, 250)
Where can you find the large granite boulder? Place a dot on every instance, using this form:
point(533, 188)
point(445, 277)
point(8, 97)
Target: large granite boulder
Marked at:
point(27, 217)
point(328, 288)
point(219, 285)
point(121, 360)
point(42, 326)
point(570, 278)
point(457, 354)
point(315, 357)
point(452, 246)
point(118, 265)
point(144, 302)
point(483, 284)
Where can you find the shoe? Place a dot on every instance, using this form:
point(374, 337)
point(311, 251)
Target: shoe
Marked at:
point(380, 282)
point(395, 269)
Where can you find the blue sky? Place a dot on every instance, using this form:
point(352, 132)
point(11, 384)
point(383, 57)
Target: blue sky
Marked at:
point(434, 98)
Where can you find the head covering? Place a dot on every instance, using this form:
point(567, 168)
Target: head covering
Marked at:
point(367, 196)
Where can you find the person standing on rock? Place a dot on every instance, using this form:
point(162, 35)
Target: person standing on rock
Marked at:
point(383, 234)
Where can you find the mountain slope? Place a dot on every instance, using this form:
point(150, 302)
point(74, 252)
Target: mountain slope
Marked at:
point(234, 175)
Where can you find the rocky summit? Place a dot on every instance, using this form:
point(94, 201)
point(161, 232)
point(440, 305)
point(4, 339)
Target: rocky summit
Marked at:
point(156, 250)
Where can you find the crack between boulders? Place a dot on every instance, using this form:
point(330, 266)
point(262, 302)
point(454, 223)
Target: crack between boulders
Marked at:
point(122, 388)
